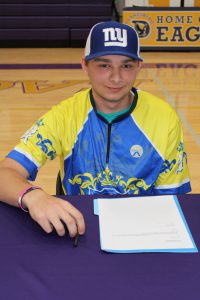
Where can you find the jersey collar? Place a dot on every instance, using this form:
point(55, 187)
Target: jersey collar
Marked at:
point(122, 116)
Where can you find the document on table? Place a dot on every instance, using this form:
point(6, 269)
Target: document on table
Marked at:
point(143, 224)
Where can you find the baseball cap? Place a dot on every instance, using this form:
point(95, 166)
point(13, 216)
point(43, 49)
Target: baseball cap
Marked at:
point(112, 38)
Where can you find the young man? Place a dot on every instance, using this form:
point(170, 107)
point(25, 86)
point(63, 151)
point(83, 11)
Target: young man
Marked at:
point(110, 139)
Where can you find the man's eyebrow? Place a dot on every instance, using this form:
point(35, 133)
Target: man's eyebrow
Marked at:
point(129, 60)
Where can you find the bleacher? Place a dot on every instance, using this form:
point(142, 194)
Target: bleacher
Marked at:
point(63, 23)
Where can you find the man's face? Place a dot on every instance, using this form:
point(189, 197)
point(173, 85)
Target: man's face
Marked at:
point(111, 77)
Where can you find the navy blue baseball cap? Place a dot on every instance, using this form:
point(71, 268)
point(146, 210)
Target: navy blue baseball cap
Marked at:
point(112, 38)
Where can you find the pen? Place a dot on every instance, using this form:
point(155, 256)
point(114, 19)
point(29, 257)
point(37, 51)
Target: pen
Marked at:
point(75, 240)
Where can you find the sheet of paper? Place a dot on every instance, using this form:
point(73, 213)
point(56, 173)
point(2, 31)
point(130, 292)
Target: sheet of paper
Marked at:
point(143, 224)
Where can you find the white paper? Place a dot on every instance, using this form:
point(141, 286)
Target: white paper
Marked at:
point(143, 224)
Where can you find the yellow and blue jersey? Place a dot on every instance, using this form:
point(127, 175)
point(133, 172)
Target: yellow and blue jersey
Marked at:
point(140, 152)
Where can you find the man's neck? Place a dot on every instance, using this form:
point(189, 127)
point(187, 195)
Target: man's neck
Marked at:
point(109, 107)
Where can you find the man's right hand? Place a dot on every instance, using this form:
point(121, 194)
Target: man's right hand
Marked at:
point(48, 211)
point(54, 213)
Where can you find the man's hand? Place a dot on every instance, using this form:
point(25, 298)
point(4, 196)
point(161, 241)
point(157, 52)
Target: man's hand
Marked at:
point(51, 212)
point(48, 211)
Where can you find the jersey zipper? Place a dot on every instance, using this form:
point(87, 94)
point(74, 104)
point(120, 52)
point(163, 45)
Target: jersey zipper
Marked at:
point(119, 118)
point(108, 143)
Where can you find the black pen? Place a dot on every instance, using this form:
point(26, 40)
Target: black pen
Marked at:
point(75, 240)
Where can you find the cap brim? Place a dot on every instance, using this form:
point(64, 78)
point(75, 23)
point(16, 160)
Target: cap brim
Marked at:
point(131, 55)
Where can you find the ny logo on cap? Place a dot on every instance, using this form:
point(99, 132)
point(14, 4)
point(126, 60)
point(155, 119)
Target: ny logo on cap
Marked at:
point(115, 37)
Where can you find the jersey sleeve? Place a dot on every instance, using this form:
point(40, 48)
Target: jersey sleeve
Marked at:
point(40, 143)
point(174, 174)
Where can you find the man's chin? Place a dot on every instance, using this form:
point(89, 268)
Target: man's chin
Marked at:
point(114, 98)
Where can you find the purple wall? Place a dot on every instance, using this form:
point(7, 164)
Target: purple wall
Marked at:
point(45, 22)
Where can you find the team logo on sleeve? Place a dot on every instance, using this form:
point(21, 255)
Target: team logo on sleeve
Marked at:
point(29, 133)
point(136, 151)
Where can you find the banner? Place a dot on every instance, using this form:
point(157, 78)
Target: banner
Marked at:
point(167, 28)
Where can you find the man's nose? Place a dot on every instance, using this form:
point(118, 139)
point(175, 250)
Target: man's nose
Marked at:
point(115, 75)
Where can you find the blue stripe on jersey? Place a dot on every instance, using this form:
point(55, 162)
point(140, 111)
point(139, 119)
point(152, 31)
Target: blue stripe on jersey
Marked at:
point(185, 188)
point(25, 162)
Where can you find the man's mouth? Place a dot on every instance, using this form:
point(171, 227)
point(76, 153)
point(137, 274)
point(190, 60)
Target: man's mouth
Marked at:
point(114, 89)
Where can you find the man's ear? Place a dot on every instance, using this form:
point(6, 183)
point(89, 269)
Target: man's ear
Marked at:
point(139, 64)
point(84, 65)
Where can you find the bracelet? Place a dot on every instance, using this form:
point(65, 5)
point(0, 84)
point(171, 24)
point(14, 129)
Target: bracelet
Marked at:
point(23, 193)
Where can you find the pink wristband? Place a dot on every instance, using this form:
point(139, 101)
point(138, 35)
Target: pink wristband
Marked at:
point(23, 193)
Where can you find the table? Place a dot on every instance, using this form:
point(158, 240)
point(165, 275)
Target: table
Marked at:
point(36, 266)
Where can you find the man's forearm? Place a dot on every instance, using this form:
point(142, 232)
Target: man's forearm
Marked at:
point(11, 185)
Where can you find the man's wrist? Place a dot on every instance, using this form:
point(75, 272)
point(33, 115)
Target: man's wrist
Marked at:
point(25, 195)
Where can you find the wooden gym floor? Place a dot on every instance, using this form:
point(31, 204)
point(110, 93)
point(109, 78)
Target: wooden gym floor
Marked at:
point(32, 80)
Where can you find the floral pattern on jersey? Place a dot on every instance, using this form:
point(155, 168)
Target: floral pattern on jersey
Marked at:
point(46, 146)
point(29, 133)
point(182, 157)
point(168, 165)
point(106, 182)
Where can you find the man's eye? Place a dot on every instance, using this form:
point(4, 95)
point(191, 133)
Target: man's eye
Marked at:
point(127, 66)
point(104, 66)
